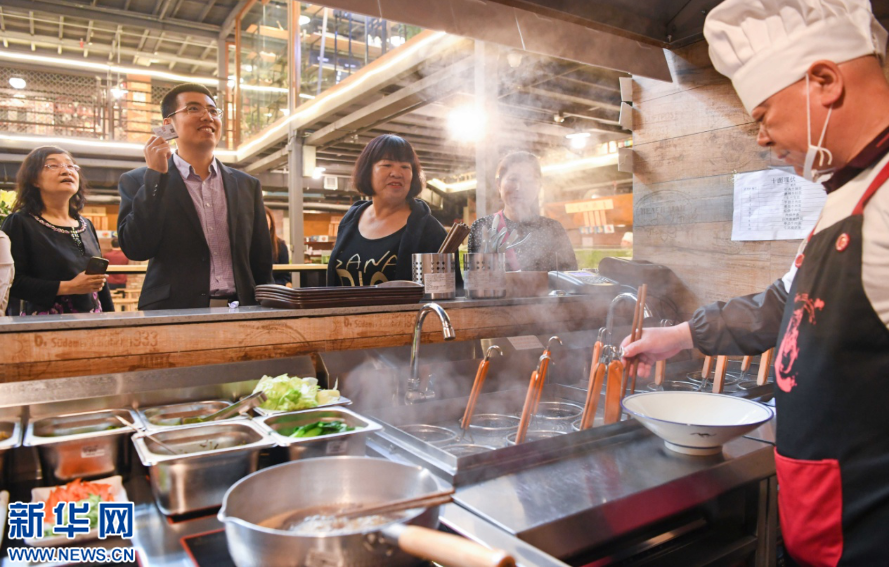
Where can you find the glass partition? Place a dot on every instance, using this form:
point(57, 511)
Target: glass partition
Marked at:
point(262, 60)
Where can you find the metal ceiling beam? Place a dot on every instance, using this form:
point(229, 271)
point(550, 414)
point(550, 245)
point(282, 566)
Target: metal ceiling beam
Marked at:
point(599, 15)
point(74, 45)
point(271, 161)
point(180, 52)
point(89, 35)
point(161, 9)
point(111, 15)
point(3, 27)
point(422, 92)
point(204, 54)
point(114, 41)
point(203, 15)
point(555, 95)
point(522, 29)
point(372, 79)
point(228, 25)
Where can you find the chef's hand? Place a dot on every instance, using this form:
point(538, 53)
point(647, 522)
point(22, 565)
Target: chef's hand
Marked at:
point(157, 152)
point(657, 343)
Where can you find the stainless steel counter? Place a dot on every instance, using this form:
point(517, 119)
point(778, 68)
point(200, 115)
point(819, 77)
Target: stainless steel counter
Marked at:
point(579, 502)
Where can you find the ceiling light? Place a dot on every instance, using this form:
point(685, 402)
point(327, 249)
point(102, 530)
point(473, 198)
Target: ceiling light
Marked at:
point(318, 172)
point(118, 92)
point(17, 83)
point(303, 20)
point(578, 140)
point(397, 40)
point(466, 123)
point(77, 63)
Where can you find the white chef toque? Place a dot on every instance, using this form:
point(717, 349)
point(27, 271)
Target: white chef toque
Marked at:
point(764, 46)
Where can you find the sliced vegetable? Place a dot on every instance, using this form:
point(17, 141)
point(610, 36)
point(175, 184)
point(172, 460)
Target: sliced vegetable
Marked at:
point(79, 491)
point(286, 393)
point(319, 428)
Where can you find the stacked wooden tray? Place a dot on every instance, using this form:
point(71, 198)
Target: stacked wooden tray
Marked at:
point(389, 293)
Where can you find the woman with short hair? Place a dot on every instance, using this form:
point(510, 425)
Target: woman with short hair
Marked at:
point(51, 242)
point(377, 238)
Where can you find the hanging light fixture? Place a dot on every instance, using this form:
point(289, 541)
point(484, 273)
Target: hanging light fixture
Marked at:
point(578, 140)
point(466, 123)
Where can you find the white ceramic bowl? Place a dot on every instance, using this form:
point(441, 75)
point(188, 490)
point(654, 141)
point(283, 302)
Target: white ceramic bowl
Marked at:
point(696, 423)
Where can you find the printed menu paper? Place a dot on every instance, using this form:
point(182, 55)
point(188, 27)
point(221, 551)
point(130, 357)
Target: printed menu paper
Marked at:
point(775, 204)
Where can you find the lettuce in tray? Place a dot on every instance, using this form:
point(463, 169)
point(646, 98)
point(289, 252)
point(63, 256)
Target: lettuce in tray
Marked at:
point(291, 393)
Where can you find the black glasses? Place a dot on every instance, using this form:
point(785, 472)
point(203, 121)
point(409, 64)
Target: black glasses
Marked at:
point(57, 166)
point(197, 109)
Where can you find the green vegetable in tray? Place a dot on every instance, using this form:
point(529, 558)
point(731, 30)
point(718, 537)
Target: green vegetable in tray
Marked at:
point(286, 393)
point(93, 515)
point(319, 428)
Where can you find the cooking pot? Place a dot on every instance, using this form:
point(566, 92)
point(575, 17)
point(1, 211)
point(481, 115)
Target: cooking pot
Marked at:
point(268, 497)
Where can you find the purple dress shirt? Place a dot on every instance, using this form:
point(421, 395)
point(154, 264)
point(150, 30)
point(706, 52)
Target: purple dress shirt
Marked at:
point(208, 196)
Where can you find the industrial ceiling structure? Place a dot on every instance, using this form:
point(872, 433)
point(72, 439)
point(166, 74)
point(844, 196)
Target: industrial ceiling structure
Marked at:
point(544, 103)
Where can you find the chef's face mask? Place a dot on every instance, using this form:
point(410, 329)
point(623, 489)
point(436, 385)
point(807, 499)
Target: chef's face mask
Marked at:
point(816, 152)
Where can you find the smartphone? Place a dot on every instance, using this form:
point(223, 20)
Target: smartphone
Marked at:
point(96, 265)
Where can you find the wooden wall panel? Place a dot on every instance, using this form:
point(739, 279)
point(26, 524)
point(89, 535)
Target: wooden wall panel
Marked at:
point(690, 68)
point(691, 137)
point(692, 111)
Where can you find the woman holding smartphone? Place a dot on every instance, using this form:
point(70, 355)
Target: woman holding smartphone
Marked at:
point(52, 245)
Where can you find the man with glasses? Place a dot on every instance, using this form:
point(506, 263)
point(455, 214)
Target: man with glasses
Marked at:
point(201, 224)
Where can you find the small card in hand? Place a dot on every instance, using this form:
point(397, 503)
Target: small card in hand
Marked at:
point(165, 131)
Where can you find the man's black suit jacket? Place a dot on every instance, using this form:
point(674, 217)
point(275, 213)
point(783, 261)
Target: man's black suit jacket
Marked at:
point(158, 222)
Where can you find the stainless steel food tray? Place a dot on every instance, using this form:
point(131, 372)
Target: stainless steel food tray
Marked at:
point(347, 443)
point(14, 429)
point(198, 480)
point(90, 444)
point(41, 431)
point(199, 436)
point(151, 416)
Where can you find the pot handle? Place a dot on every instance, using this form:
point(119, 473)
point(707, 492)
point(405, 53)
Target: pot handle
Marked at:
point(447, 549)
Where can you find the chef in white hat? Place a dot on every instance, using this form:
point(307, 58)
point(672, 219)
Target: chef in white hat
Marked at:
point(810, 73)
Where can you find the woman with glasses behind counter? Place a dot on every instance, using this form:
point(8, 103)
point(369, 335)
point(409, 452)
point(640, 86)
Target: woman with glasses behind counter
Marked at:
point(51, 242)
point(542, 245)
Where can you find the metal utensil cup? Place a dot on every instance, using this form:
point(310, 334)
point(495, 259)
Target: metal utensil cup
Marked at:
point(485, 275)
point(436, 273)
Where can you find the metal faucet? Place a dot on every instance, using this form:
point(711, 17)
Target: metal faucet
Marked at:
point(609, 320)
point(414, 393)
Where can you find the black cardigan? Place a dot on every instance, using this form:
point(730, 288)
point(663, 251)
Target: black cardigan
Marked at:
point(423, 234)
point(45, 257)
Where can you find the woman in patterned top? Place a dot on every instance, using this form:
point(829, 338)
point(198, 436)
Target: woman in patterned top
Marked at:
point(51, 242)
point(547, 247)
